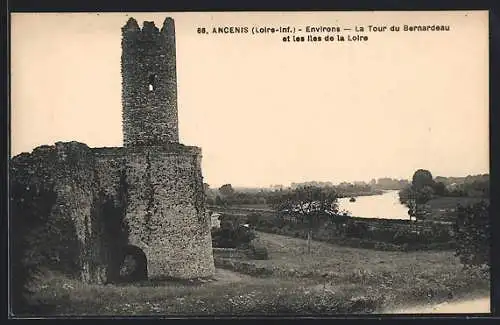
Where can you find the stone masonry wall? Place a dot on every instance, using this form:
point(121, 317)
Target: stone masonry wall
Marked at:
point(149, 116)
point(111, 202)
point(69, 169)
point(166, 212)
point(148, 197)
point(109, 163)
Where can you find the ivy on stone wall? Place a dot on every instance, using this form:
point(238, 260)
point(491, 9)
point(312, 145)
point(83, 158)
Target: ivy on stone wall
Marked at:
point(30, 206)
point(123, 197)
point(114, 231)
point(150, 206)
point(199, 195)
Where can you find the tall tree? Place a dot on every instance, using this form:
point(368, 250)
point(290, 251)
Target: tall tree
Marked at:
point(309, 204)
point(422, 178)
point(226, 190)
point(418, 194)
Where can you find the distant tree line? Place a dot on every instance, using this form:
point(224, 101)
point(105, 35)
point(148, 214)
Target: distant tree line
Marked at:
point(227, 195)
point(384, 183)
point(387, 183)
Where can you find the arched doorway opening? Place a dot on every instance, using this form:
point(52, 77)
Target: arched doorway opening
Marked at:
point(133, 264)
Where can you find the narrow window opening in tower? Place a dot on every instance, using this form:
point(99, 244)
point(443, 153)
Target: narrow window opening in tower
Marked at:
point(152, 78)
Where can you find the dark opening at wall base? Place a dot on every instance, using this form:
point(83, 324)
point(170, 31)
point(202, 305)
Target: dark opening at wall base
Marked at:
point(133, 266)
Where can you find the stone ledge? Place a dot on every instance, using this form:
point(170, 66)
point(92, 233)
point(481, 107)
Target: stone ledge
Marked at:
point(170, 148)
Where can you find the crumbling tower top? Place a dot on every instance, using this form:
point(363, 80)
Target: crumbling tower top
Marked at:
point(149, 84)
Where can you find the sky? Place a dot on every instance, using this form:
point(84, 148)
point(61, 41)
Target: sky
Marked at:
point(266, 111)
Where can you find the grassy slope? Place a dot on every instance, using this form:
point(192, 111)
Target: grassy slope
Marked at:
point(331, 280)
point(414, 276)
point(452, 202)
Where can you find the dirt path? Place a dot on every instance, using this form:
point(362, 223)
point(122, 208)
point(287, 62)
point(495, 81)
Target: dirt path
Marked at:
point(269, 238)
point(223, 276)
point(477, 305)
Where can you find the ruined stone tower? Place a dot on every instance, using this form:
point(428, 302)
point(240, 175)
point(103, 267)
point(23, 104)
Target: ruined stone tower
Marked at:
point(165, 200)
point(144, 200)
point(149, 84)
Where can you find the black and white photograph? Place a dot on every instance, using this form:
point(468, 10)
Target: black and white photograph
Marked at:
point(249, 164)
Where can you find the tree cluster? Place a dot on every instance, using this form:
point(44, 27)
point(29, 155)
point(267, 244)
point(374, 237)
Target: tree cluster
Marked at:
point(424, 188)
point(310, 204)
point(226, 195)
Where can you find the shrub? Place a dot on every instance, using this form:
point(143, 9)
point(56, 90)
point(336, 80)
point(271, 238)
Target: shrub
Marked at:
point(23, 273)
point(404, 236)
point(356, 229)
point(254, 219)
point(30, 207)
point(228, 222)
point(244, 236)
point(229, 237)
point(441, 234)
point(257, 250)
point(472, 234)
point(265, 224)
point(383, 235)
point(222, 238)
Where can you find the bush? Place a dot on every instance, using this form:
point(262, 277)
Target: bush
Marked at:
point(401, 236)
point(228, 222)
point(383, 235)
point(222, 238)
point(356, 229)
point(23, 273)
point(441, 234)
point(229, 237)
point(253, 219)
point(265, 224)
point(257, 250)
point(244, 236)
point(29, 211)
point(472, 234)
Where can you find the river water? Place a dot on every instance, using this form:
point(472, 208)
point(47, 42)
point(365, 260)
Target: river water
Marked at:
point(384, 206)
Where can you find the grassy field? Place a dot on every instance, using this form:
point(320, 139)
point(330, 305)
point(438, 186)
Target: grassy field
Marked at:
point(331, 280)
point(452, 202)
point(442, 208)
point(396, 276)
